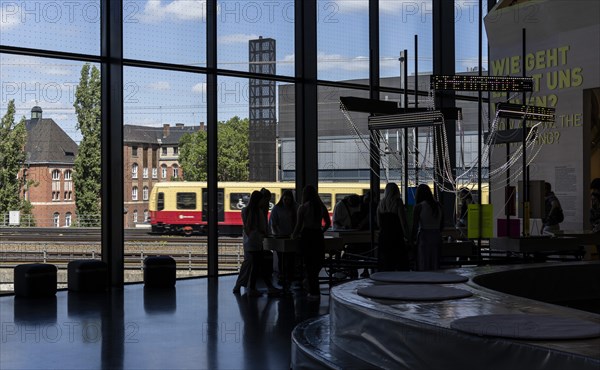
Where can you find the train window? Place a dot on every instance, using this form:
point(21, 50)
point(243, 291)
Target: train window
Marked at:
point(220, 204)
point(161, 202)
point(186, 200)
point(238, 200)
point(326, 198)
point(340, 196)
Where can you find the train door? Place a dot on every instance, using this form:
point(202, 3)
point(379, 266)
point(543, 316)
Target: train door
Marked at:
point(220, 204)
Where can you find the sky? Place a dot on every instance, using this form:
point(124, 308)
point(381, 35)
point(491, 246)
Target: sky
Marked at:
point(175, 32)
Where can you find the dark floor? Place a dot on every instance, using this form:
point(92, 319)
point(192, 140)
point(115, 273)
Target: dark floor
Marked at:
point(198, 325)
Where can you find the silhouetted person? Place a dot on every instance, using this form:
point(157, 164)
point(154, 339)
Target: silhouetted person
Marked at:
point(428, 222)
point(553, 213)
point(313, 220)
point(391, 217)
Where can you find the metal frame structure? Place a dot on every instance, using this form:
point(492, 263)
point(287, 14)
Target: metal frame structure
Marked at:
point(262, 111)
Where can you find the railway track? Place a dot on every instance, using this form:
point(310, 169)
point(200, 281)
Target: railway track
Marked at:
point(60, 246)
point(94, 235)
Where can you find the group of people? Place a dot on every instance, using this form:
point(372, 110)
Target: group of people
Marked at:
point(306, 222)
point(309, 220)
point(395, 240)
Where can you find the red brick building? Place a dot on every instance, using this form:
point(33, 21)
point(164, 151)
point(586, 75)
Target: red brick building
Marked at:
point(150, 155)
point(49, 163)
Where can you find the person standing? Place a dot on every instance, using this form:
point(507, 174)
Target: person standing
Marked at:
point(553, 213)
point(266, 263)
point(391, 217)
point(346, 213)
point(283, 215)
point(312, 221)
point(428, 222)
point(465, 198)
point(254, 231)
point(282, 222)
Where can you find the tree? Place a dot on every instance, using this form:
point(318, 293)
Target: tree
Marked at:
point(232, 151)
point(13, 138)
point(87, 172)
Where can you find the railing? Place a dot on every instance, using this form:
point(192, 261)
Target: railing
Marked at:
point(30, 221)
point(191, 259)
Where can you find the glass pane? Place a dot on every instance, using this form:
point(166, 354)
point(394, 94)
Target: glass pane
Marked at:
point(256, 36)
point(59, 25)
point(256, 147)
point(165, 31)
point(162, 109)
point(467, 24)
point(343, 139)
point(48, 187)
point(186, 200)
point(399, 22)
point(343, 40)
point(238, 200)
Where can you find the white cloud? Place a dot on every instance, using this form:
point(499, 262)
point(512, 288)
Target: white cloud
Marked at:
point(340, 62)
point(290, 58)
point(236, 38)
point(185, 10)
point(199, 88)
point(10, 16)
point(160, 86)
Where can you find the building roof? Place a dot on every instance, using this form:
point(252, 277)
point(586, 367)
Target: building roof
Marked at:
point(48, 143)
point(166, 135)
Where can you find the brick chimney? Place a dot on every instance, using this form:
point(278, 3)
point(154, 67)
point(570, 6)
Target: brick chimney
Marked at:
point(166, 129)
point(202, 127)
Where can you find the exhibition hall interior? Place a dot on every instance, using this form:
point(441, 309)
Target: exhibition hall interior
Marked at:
point(323, 184)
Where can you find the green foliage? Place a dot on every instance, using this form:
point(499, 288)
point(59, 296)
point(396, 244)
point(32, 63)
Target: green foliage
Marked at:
point(13, 138)
point(87, 172)
point(232, 152)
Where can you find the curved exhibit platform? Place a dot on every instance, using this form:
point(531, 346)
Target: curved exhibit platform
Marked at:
point(554, 323)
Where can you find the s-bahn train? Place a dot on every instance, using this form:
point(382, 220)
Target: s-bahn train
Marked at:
point(179, 207)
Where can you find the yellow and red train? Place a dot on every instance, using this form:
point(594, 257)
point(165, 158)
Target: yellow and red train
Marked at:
point(179, 207)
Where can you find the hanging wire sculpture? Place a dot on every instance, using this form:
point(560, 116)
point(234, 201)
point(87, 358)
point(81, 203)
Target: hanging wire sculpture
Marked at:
point(436, 167)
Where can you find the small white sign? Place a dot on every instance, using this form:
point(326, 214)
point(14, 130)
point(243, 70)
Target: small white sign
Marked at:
point(14, 218)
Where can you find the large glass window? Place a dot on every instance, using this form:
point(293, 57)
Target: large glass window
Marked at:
point(165, 110)
point(165, 116)
point(256, 133)
point(43, 91)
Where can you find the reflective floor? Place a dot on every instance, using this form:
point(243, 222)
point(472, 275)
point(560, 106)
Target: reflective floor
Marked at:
point(198, 325)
